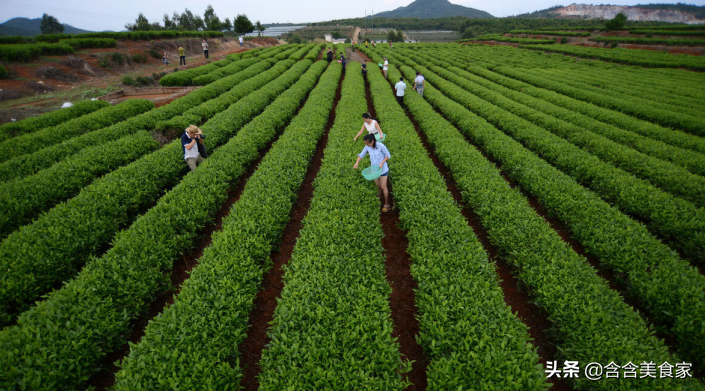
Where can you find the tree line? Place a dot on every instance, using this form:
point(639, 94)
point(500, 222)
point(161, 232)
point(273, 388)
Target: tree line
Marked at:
point(474, 27)
point(188, 21)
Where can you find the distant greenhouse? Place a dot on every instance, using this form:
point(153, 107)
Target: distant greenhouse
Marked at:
point(275, 31)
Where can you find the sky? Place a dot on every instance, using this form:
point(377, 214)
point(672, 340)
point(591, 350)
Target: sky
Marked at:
point(113, 15)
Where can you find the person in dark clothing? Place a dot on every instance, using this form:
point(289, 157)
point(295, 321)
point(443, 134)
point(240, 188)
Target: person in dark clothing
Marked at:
point(342, 59)
point(329, 55)
point(364, 68)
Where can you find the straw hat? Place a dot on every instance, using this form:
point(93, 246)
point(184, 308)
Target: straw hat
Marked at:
point(193, 129)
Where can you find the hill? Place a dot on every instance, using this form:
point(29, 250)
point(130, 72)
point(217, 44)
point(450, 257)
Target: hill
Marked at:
point(674, 13)
point(30, 27)
point(427, 9)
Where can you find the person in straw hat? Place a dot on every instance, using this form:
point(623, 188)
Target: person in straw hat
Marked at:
point(188, 143)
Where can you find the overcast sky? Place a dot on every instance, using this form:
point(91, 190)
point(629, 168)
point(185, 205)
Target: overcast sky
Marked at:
point(113, 15)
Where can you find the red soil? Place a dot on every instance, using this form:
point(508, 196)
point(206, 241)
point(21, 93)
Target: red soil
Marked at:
point(398, 272)
point(266, 300)
point(104, 379)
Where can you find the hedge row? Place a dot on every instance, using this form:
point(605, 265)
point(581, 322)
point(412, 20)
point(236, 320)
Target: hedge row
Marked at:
point(185, 78)
point(32, 163)
point(668, 90)
point(468, 333)
point(299, 54)
point(83, 43)
point(552, 32)
point(201, 113)
point(133, 35)
point(209, 317)
point(14, 39)
point(33, 250)
point(22, 200)
point(667, 176)
point(46, 137)
point(333, 324)
point(589, 108)
point(220, 73)
point(285, 54)
point(678, 221)
point(501, 38)
point(628, 87)
point(670, 26)
point(677, 81)
point(669, 288)
point(606, 121)
point(314, 52)
point(637, 99)
point(28, 52)
point(273, 51)
point(669, 32)
point(637, 108)
point(53, 118)
point(96, 310)
point(649, 41)
point(645, 58)
point(591, 322)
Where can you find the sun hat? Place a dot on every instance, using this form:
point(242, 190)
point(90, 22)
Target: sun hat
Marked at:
point(193, 129)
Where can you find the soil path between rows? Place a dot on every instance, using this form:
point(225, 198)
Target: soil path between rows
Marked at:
point(265, 302)
point(535, 318)
point(402, 300)
point(546, 349)
point(181, 271)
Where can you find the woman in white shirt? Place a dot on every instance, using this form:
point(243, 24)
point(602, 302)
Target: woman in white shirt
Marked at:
point(371, 125)
point(378, 157)
point(385, 67)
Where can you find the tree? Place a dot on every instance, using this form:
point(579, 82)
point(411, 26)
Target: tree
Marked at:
point(617, 23)
point(243, 25)
point(169, 23)
point(227, 26)
point(198, 23)
point(211, 20)
point(259, 28)
point(400, 36)
point(294, 38)
point(186, 21)
point(141, 24)
point(392, 36)
point(51, 25)
point(336, 35)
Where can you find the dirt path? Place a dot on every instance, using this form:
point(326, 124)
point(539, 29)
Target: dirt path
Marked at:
point(515, 295)
point(265, 302)
point(95, 80)
point(356, 34)
point(402, 301)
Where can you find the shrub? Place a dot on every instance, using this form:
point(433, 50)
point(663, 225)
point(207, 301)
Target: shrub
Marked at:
point(144, 80)
point(56, 74)
point(295, 38)
point(3, 72)
point(128, 81)
point(564, 40)
point(155, 53)
point(89, 43)
point(109, 60)
point(139, 57)
point(13, 39)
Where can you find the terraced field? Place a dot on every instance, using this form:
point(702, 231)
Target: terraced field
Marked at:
point(548, 225)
